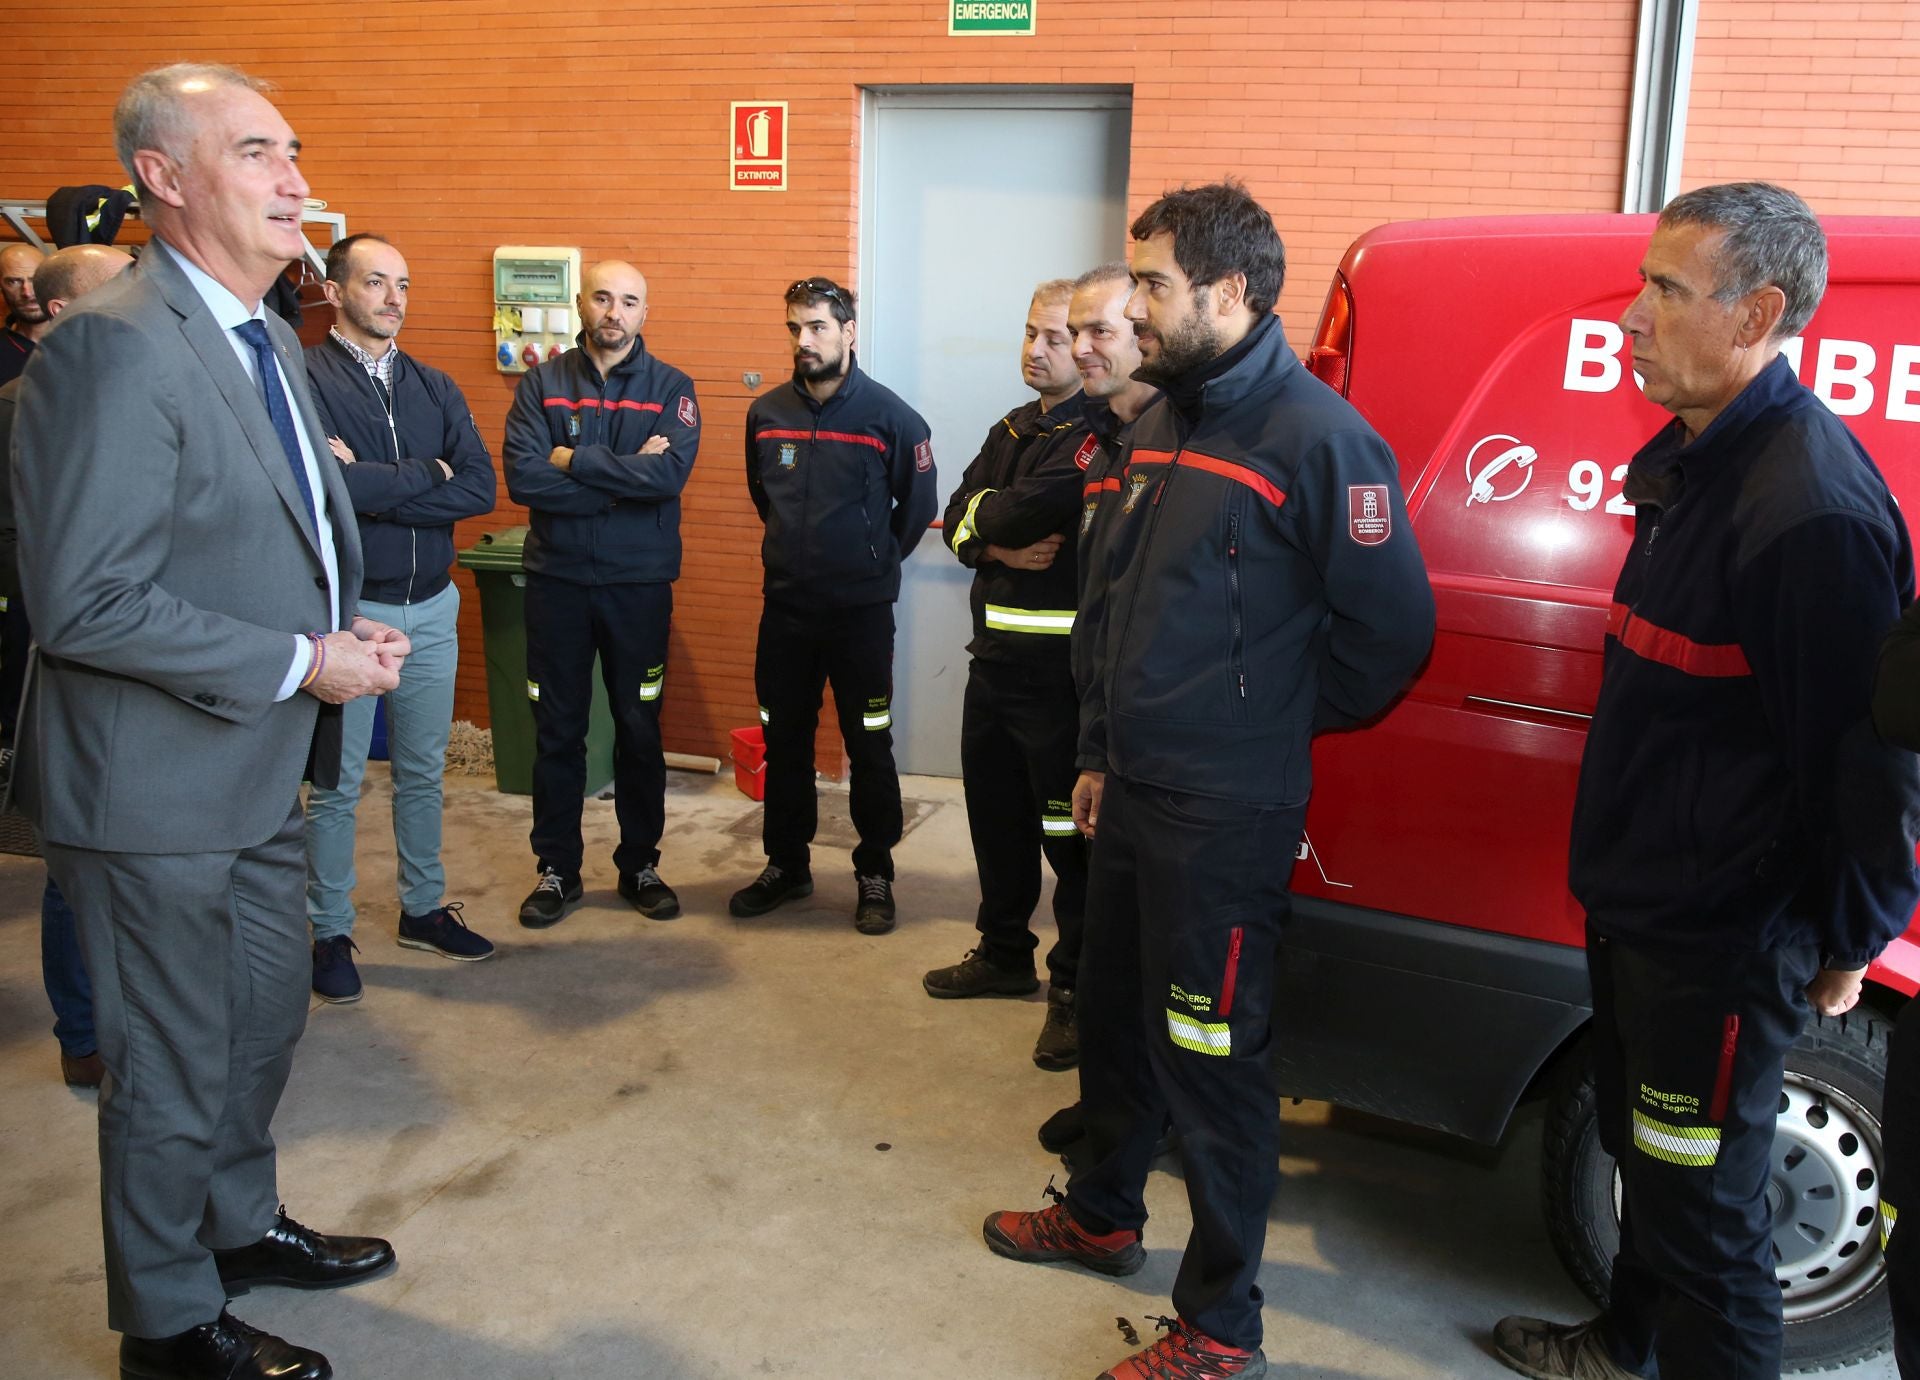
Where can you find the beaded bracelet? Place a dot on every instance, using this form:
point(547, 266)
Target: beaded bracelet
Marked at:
point(319, 659)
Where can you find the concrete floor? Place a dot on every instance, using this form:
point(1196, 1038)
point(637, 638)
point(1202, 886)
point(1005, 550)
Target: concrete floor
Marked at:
point(715, 1147)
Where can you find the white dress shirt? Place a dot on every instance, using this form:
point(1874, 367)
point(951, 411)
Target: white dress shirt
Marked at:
point(231, 313)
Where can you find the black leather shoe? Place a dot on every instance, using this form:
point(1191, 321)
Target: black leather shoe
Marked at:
point(297, 1257)
point(224, 1349)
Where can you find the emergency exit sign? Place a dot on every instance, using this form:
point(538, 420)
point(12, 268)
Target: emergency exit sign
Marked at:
point(991, 16)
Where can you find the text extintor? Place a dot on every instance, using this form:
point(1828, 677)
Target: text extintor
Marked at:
point(759, 155)
point(991, 16)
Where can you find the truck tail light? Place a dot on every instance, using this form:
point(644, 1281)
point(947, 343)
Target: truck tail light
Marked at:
point(1333, 343)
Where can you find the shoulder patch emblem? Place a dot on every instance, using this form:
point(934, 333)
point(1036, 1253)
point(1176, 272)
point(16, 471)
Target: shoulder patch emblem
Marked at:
point(923, 456)
point(1369, 519)
point(1088, 449)
point(689, 414)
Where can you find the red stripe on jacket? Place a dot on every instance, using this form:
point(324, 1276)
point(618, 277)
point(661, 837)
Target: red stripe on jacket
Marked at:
point(1213, 464)
point(851, 438)
point(612, 405)
point(1710, 659)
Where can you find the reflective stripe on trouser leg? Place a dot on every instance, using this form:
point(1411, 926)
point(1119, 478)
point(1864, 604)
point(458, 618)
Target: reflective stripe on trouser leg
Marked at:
point(1046, 622)
point(654, 680)
point(1696, 1146)
point(877, 715)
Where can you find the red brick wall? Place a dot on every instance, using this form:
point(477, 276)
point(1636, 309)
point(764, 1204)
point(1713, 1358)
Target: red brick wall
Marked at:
point(1822, 96)
point(453, 126)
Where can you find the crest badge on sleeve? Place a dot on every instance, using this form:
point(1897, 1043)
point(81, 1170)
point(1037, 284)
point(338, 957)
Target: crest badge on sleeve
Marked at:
point(1088, 449)
point(923, 456)
point(689, 414)
point(1369, 518)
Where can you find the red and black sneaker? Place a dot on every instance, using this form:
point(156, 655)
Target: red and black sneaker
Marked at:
point(1052, 1234)
point(1186, 1354)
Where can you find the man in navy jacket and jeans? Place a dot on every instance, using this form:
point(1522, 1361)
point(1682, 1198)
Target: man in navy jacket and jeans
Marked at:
point(1738, 833)
point(599, 445)
point(415, 465)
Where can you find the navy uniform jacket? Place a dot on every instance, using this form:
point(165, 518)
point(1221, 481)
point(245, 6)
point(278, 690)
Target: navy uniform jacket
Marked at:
point(1733, 794)
point(1020, 489)
point(845, 487)
point(1262, 583)
point(614, 518)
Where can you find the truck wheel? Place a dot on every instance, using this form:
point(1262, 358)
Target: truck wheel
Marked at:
point(1825, 1191)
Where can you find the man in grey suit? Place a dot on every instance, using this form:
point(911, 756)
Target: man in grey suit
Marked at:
point(193, 572)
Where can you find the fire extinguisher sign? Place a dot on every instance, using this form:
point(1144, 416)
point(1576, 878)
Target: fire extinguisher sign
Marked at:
point(759, 160)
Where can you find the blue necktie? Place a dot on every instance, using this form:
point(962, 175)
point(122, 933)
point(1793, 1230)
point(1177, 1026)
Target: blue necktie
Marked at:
point(255, 334)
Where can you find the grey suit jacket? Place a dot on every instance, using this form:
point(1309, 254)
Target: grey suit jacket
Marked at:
point(167, 555)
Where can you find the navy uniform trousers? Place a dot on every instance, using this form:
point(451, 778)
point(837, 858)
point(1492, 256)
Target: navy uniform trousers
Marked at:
point(1017, 734)
point(1185, 904)
point(798, 653)
point(1689, 1056)
point(626, 625)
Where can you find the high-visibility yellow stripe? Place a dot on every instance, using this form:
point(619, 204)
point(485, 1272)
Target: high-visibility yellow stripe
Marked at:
point(1694, 1146)
point(964, 531)
point(1199, 1036)
point(1057, 824)
point(1004, 618)
point(1889, 1214)
point(5, 603)
point(870, 722)
point(650, 685)
point(765, 717)
point(533, 689)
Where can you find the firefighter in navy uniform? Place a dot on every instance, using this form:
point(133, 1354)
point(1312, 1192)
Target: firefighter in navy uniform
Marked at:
point(1896, 714)
point(1739, 841)
point(841, 472)
point(599, 445)
point(1252, 596)
point(1012, 519)
point(1105, 353)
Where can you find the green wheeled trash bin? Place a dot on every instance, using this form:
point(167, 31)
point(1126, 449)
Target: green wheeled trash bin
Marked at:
point(495, 561)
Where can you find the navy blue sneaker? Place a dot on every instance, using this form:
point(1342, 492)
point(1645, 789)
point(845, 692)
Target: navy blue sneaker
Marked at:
point(442, 931)
point(335, 979)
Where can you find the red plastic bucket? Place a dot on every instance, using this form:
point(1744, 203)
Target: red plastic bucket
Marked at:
point(750, 762)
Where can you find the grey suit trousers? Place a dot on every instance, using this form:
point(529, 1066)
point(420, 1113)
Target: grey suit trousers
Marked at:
point(200, 971)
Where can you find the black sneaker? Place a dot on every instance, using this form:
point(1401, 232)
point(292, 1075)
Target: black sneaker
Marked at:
point(442, 931)
point(335, 979)
point(976, 976)
point(547, 903)
point(873, 912)
point(1058, 1048)
point(773, 886)
point(649, 895)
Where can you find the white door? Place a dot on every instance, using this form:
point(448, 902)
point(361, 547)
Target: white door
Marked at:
point(968, 199)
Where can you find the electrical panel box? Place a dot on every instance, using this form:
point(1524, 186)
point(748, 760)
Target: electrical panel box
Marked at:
point(535, 289)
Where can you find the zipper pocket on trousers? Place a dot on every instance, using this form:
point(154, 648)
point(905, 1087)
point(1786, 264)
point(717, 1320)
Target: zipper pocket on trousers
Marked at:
point(1723, 1079)
point(1232, 975)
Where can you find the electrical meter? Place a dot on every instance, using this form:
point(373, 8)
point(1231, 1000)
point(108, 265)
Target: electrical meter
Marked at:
point(535, 288)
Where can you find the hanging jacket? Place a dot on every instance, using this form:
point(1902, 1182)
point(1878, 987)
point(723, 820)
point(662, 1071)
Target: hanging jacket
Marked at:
point(614, 517)
point(1019, 490)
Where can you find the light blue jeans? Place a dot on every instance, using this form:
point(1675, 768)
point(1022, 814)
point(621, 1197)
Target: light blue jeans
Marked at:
point(419, 719)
